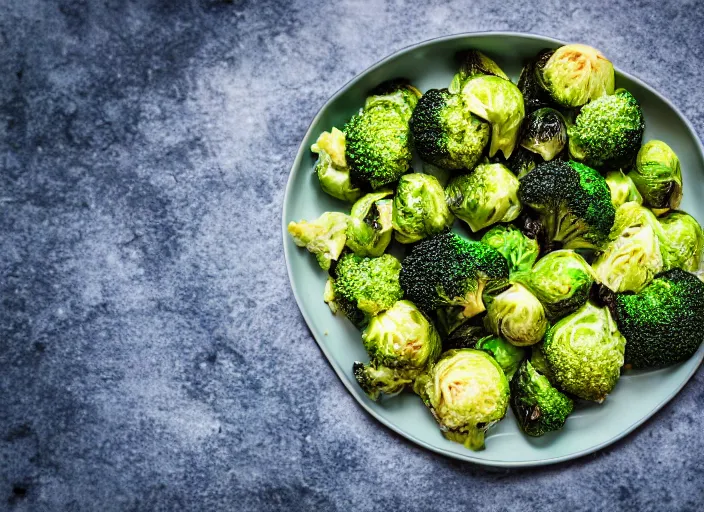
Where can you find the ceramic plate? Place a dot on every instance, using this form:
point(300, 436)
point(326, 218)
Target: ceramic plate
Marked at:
point(637, 396)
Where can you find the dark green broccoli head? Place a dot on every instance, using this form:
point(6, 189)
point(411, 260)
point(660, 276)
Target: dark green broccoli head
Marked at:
point(365, 287)
point(664, 322)
point(445, 133)
point(378, 142)
point(573, 201)
point(539, 407)
point(447, 273)
point(608, 132)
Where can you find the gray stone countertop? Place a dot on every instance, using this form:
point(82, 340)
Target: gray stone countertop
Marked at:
point(152, 356)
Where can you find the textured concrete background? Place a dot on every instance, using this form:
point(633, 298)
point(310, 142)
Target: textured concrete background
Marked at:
point(152, 356)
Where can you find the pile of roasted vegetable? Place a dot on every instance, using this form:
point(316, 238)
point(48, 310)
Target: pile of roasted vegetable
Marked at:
point(578, 265)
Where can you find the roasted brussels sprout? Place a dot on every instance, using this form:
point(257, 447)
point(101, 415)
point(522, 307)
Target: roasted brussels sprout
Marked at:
point(466, 335)
point(622, 189)
point(561, 280)
point(445, 133)
point(331, 166)
point(520, 251)
point(378, 138)
point(537, 359)
point(324, 237)
point(369, 227)
point(446, 276)
point(544, 132)
point(573, 202)
point(400, 343)
point(508, 355)
point(522, 161)
point(473, 63)
point(632, 257)
point(539, 407)
point(467, 392)
point(682, 241)
point(486, 196)
point(534, 96)
point(607, 132)
point(517, 316)
point(585, 353)
point(501, 103)
point(363, 287)
point(576, 74)
point(663, 324)
point(420, 209)
point(658, 177)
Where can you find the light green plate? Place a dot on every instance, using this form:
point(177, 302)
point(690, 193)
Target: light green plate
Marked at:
point(430, 65)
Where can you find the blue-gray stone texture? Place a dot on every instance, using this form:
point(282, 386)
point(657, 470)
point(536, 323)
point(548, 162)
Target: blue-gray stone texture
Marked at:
point(152, 356)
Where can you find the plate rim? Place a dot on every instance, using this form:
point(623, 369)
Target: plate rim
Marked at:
point(331, 361)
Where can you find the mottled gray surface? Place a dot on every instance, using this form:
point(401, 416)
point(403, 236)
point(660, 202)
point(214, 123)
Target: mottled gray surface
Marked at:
point(152, 356)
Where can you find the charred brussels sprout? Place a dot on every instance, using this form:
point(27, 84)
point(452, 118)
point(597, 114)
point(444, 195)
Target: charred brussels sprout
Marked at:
point(522, 161)
point(520, 251)
point(517, 316)
point(400, 342)
point(467, 392)
point(682, 241)
point(378, 139)
point(573, 201)
point(324, 237)
point(585, 353)
point(663, 324)
point(544, 132)
point(500, 103)
point(420, 209)
point(576, 74)
point(632, 257)
point(446, 275)
point(484, 197)
point(447, 134)
point(369, 227)
point(331, 166)
point(561, 280)
point(658, 177)
point(622, 189)
point(364, 287)
point(607, 132)
point(508, 356)
point(539, 407)
point(534, 96)
point(473, 63)
point(466, 335)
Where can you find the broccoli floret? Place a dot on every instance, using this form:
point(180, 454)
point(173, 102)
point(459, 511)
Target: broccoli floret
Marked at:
point(446, 275)
point(608, 132)
point(378, 142)
point(664, 322)
point(364, 287)
point(445, 133)
point(539, 407)
point(573, 201)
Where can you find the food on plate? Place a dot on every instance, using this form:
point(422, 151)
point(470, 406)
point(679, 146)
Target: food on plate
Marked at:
point(544, 132)
point(657, 176)
point(520, 251)
point(622, 188)
point(517, 316)
point(419, 208)
point(369, 228)
point(325, 237)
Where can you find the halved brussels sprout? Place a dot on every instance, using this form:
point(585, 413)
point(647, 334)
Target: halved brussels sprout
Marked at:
point(517, 316)
point(331, 166)
point(324, 237)
point(370, 224)
point(577, 74)
point(473, 63)
point(585, 353)
point(486, 196)
point(622, 189)
point(683, 242)
point(632, 257)
point(419, 208)
point(658, 176)
point(400, 342)
point(467, 392)
point(561, 280)
point(520, 251)
point(544, 132)
point(501, 103)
